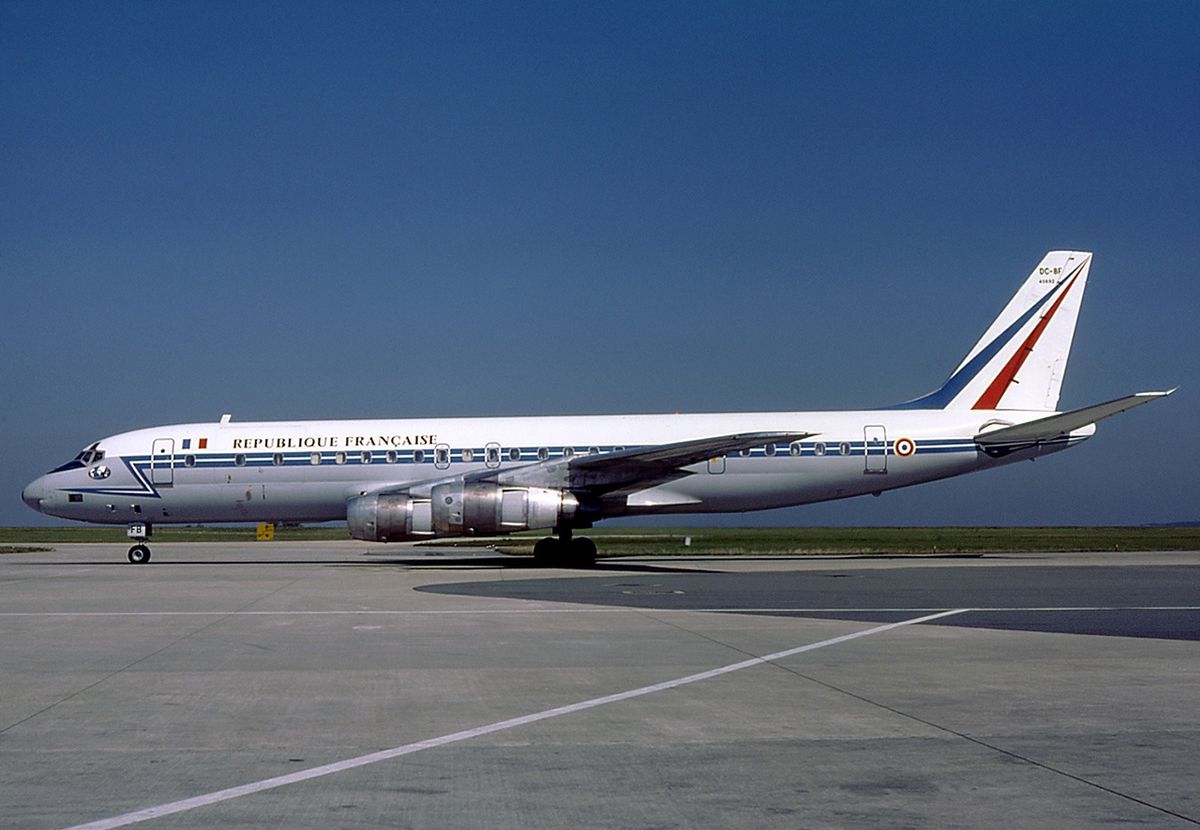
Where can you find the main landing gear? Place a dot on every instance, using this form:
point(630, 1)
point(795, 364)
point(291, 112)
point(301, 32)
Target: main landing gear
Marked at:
point(139, 554)
point(565, 551)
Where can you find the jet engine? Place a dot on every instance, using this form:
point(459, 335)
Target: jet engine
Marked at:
point(388, 518)
point(458, 508)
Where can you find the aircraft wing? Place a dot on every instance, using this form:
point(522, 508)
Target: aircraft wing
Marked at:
point(641, 466)
point(611, 472)
point(1062, 424)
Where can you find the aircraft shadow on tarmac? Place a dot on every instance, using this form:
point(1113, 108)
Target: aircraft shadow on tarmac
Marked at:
point(1131, 601)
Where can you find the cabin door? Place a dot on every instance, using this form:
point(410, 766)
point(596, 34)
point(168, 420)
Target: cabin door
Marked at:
point(162, 462)
point(875, 448)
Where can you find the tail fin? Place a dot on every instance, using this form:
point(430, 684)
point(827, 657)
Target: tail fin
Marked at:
point(1020, 360)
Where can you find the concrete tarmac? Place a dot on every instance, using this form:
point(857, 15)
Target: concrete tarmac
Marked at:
point(351, 685)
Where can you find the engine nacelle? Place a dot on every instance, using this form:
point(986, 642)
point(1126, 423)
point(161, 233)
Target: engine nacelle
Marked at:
point(458, 509)
point(461, 508)
point(388, 518)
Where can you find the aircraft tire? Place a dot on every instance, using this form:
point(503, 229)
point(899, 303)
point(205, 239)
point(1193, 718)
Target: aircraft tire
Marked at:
point(546, 551)
point(582, 552)
point(139, 554)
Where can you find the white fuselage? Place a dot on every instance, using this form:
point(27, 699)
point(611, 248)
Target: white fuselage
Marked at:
point(307, 471)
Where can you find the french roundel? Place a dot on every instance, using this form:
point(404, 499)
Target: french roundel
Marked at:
point(904, 447)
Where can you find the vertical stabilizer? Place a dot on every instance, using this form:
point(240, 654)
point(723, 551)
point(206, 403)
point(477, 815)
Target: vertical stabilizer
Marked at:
point(1020, 361)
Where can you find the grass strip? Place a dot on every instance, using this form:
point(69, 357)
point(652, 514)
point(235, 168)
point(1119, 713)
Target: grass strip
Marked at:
point(22, 549)
point(872, 540)
point(725, 541)
point(164, 533)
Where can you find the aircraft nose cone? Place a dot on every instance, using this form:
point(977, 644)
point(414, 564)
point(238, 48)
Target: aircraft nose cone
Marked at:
point(33, 494)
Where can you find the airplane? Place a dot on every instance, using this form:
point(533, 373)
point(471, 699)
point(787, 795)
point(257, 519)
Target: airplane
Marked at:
point(412, 479)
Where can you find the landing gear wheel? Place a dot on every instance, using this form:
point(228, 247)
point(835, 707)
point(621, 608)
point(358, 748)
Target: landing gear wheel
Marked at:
point(581, 552)
point(139, 554)
point(577, 552)
point(546, 551)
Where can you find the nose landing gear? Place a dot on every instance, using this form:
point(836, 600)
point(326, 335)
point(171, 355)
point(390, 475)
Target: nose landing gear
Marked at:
point(139, 532)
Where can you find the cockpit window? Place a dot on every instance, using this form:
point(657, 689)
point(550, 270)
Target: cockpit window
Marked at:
point(89, 456)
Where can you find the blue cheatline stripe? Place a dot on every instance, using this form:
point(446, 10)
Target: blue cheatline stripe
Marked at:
point(139, 465)
point(941, 398)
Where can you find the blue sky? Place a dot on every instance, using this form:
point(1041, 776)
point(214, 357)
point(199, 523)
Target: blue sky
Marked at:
point(418, 209)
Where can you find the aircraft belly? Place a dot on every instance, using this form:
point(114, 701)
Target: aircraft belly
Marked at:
point(806, 482)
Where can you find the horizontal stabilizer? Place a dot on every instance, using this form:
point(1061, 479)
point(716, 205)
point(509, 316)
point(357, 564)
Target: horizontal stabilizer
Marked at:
point(1057, 426)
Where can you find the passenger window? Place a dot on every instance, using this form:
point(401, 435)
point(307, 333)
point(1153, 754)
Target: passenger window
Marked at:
point(794, 448)
point(819, 448)
point(543, 453)
point(239, 460)
point(770, 449)
point(276, 459)
point(441, 456)
point(366, 458)
point(568, 452)
point(339, 458)
point(468, 455)
point(391, 456)
point(844, 448)
point(493, 455)
point(418, 456)
point(514, 454)
point(189, 461)
point(593, 450)
point(314, 459)
point(744, 453)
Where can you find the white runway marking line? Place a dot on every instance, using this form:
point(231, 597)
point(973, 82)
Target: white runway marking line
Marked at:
point(218, 796)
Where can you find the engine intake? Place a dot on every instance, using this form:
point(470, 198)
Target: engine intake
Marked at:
point(388, 518)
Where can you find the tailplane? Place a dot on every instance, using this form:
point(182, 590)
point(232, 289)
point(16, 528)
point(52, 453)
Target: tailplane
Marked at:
point(1020, 360)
